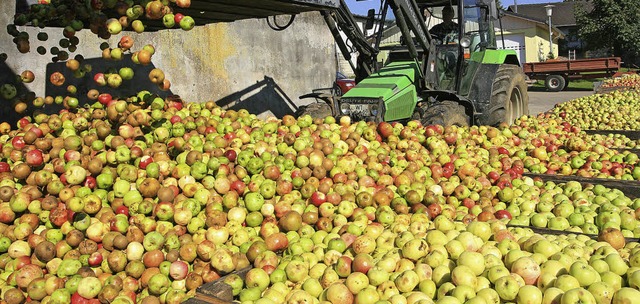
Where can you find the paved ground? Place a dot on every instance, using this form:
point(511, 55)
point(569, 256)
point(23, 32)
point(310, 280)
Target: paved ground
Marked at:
point(541, 101)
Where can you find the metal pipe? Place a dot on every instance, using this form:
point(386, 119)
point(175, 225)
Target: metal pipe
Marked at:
point(549, 9)
point(550, 39)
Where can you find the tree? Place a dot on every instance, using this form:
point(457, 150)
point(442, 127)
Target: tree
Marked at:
point(612, 25)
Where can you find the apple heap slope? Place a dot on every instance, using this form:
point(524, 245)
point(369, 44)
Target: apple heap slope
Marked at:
point(626, 81)
point(616, 110)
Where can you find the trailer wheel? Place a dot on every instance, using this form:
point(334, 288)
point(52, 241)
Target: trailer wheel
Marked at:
point(445, 113)
point(509, 98)
point(555, 83)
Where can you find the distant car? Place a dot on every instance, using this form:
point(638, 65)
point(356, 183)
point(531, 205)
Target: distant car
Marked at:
point(343, 84)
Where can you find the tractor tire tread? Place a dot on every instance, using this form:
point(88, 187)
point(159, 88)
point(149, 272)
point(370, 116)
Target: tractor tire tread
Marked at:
point(446, 113)
point(507, 78)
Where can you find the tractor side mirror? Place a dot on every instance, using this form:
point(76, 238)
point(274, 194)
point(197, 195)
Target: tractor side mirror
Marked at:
point(371, 17)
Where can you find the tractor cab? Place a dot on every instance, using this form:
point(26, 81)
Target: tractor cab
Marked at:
point(459, 29)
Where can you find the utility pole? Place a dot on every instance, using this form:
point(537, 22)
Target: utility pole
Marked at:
point(549, 9)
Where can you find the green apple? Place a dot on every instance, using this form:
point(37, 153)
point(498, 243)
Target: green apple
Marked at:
point(585, 274)
point(616, 264)
point(576, 219)
point(257, 277)
point(626, 295)
point(250, 294)
point(367, 295)
point(546, 280)
point(496, 272)
point(405, 282)
point(633, 279)
point(89, 287)
point(8, 91)
point(612, 279)
point(546, 248)
point(168, 20)
point(489, 295)
point(602, 292)
point(480, 229)
point(558, 223)
point(253, 201)
point(529, 295)
point(600, 265)
point(552, 296)
point(297, 271)
point(187, 23)
point(563, 210)
point(507, 288)
point(539, 220)
point(126, 73)
point(464, 293)
point(577, 296)
point(428, 287)
point(474, 260)
point(566, 282)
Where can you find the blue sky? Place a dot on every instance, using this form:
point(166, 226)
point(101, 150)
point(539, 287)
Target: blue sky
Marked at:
point(361, 7)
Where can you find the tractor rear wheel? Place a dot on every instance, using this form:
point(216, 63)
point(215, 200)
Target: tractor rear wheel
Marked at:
point(509, 99)
point(445, 113)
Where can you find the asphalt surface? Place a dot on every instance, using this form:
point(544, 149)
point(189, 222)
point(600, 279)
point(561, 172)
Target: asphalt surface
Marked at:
point(541, 101)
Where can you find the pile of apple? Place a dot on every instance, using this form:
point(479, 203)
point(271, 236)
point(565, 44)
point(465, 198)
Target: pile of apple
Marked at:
point(552, 146)
point(626, 81)
point(408, 262)
point(145, 198)
point(610, 111)
point(543, 144)
point(141, 199)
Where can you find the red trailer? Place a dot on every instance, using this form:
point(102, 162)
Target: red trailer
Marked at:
point(557, 73)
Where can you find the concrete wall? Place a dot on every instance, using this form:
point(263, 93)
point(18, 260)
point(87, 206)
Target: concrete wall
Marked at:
point(209, 62)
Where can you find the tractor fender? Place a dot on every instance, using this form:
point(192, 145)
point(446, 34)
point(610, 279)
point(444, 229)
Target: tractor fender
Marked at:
point(482, 86)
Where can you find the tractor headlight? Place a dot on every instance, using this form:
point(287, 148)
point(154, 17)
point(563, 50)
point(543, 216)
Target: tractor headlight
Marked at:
point(465, 42)
point(344, 108)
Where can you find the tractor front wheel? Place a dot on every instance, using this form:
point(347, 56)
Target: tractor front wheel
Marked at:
point(315, 110)
point(445, 113)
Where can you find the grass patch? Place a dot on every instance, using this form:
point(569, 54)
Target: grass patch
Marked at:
point(574, 85)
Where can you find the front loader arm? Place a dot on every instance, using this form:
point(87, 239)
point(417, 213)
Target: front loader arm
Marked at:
point(343, 20)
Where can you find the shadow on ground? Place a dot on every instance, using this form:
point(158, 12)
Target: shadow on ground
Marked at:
point(260, 98)
point(7, 112)
point(543, 89)
point(85, 82)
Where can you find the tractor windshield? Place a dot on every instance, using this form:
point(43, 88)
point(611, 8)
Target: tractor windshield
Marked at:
point(478, 28)
point(468, 30)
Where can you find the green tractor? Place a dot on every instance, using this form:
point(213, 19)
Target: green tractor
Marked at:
point(460, 78)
